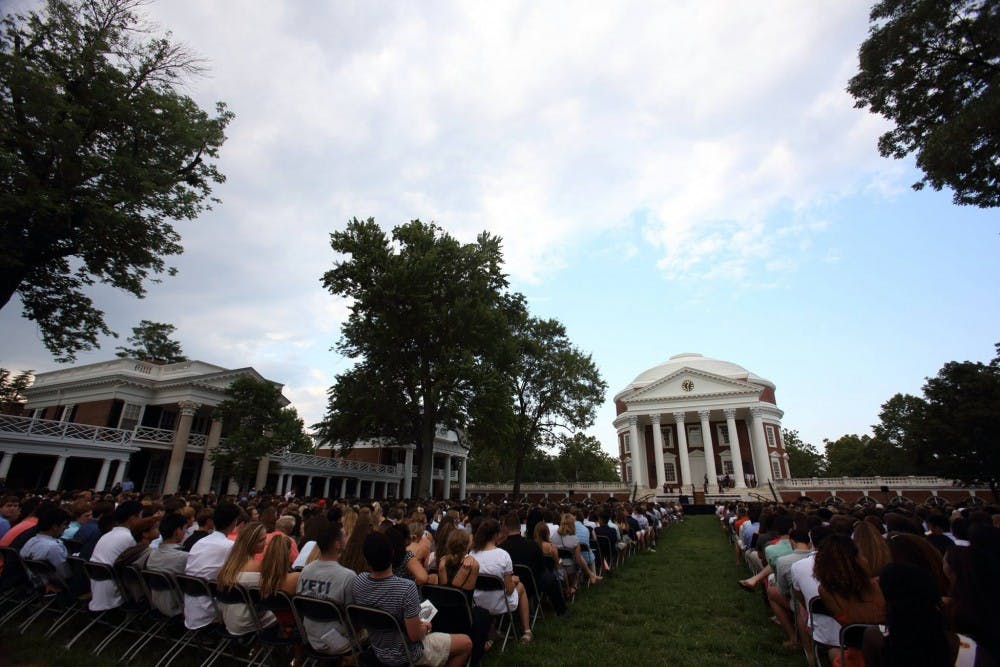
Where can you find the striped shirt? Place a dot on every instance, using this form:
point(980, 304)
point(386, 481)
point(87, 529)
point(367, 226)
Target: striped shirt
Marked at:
point(398, 597)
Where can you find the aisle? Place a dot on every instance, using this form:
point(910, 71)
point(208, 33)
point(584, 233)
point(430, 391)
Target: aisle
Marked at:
point(678, 607)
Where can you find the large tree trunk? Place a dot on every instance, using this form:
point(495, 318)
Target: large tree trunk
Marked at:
point(518, 469)
point(426, 461)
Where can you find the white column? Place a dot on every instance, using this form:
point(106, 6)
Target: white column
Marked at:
point(706, 438)
point(446, 487)
point(102, 477)
point(262, 466)
point(326, 487)
point(734, 449)
point(461, 477)
point(633, 448)
point(408, 473)
point(343, 487)
point(280, 484)
point(682, 450)
point(57, 473)
point(289, 483)
point(762, 466)
point(233, 488)
point(119, 472)
point(173, 479)
point(207, 468)
point(643, 462)
point(8, 457)
point(658, 451)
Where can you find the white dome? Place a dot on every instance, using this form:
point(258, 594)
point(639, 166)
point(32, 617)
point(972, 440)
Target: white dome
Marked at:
point(697, 362)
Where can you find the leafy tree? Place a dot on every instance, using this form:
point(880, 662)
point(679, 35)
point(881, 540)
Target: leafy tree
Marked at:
point(99, 154)
point(933, 68)
point(847, 456)
point(897, 449)
point(151, 341)
point(424, 325)
point(257, 422)
point(581, 459)
point(12, 389)
point(803, 458)
point(959, 436)
point(554, 388)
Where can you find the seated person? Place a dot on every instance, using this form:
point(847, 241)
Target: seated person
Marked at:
point(327, 579)
point(394, 595)
point(45, 544)
point(168, 557)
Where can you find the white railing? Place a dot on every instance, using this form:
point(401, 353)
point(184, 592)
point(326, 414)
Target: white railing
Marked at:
point(862, 482)
point(337, 465)
point(150, 434)
point(552, 487)
point(49, 430)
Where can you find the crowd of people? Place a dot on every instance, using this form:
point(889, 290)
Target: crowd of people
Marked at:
point(876, 586)
point(384, 555)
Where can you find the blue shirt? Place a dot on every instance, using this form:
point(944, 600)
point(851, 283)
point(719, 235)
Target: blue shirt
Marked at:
point(4, 526)
point(583, 536)
point(48, 548)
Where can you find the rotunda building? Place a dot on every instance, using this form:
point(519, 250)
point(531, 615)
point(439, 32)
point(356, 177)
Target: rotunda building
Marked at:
point(695, 423)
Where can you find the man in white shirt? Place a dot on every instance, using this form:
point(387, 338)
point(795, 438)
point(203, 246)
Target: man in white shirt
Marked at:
point(104, 594)
point(206, 557)
point(806, 587)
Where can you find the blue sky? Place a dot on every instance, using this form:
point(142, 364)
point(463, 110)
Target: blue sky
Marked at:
point(684, 177)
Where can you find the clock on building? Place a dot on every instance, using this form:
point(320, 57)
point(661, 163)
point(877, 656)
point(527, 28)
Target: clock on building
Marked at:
point(687, 385)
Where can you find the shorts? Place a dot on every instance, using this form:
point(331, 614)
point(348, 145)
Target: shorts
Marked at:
point(437, 646)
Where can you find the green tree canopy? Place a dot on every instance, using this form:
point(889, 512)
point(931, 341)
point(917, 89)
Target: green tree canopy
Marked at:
point(932, 67)
point(151, 342)
point(12, 386)
point(424, 323)
point(257, 422)
point(99, 154)
point(804, 459)
point(847, 456)
point(554, 388)
point(579, 459)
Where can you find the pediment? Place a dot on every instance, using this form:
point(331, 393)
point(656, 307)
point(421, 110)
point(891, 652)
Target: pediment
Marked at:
point(689, 383)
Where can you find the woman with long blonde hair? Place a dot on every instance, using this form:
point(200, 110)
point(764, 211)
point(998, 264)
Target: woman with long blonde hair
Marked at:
point(240, 567)
point(347, 521)
point(353, 557)
point(275, 566)
point(873, 550)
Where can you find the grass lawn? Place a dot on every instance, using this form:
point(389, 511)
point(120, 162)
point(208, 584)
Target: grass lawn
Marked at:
point(680, 606)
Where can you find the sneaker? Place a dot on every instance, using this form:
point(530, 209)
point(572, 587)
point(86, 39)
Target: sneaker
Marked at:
point(652, 550)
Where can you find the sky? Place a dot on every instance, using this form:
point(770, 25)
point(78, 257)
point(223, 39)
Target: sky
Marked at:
point(666, 178)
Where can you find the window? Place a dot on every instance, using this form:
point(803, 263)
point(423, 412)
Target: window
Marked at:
point(776, 468)
point(723, 430)
point(727, 467)
point(627, 441)
point(694, 436)
point(669, 472)
point(628, 474)
point(668, 436)
point(130, 416)
point(771, 439)
point(68, 413)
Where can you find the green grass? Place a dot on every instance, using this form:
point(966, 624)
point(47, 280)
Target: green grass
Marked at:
point(678, 607)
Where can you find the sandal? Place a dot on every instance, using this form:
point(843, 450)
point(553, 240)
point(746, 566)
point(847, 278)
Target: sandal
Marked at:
point(527, 637)
point(746, 585)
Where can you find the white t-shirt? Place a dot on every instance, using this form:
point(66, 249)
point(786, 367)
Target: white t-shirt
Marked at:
point(104, 594)
point(827, 630)
point(206, 557)
point(496, 562)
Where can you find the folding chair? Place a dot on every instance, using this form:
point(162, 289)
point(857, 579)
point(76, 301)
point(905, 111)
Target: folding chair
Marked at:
point(490, 582)
point(564, 555)
point(17, 586)
point(103, 572)
point(61, 598)
point(160, 584)
point(817, 608)
point(377, 621)
point(584, 550)
point(271, 636)
point(454, 611)
point(196, 587)
point(527, 578)
point(140, 601)
point(325, 613)
point(606, 550)
point(238, 595)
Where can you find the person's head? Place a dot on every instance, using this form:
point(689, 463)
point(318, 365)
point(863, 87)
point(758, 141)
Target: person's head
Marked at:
point(268, 517)
point(486, 533)
point(52, 521)
point(872, 547)
point(11, 508)
point(128, 513)
point(416, 529)
point(567, 524)
point(378, 552)
point(249, 542)
point(839, 570)
point(330, 540)
point(172, 528)
point(458, 545)
point(81, 511)
point(542, 533)
point(285, 524)
point(916, 550)
point(799, 538)
point(225, 517)
point(512, 523)
point(276, 563)
point(399, 538)
point(782, 523)
point(937, 523)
